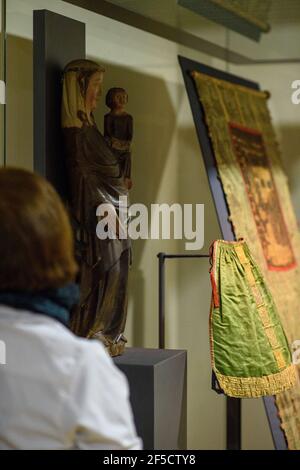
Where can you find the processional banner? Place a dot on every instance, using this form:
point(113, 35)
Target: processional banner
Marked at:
point(249, 166)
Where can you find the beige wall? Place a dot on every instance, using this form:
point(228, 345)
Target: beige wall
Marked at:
point(19, 109)
point(167, 167)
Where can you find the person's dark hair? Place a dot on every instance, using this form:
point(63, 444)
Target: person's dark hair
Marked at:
point(110, 95)
point(36, 241)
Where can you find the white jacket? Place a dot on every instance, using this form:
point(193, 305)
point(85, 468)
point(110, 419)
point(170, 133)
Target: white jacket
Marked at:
point(58, 391)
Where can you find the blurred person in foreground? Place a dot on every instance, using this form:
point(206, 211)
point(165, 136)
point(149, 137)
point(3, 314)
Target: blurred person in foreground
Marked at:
point(57, 391)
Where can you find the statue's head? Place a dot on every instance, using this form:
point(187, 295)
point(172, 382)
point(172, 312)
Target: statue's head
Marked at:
point(82, 86)
point(116, 98)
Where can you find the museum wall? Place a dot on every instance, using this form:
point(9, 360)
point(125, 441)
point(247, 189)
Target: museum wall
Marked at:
point(167, 168)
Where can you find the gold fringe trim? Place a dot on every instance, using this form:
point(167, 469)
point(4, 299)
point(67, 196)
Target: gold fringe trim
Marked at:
point(254, 387)
point(231, 86)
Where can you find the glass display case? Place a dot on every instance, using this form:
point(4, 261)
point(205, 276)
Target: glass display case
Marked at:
point(184, 21)
point(138, 43)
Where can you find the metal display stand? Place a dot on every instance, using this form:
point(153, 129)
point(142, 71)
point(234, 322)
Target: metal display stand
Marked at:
point(161, 290)
point(233, 405)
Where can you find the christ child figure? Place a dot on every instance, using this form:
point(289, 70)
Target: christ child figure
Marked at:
point(118, 130)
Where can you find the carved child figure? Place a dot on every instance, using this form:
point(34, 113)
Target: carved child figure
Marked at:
point(118, 130)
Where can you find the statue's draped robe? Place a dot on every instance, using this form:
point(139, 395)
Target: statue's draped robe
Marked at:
point(95, 177)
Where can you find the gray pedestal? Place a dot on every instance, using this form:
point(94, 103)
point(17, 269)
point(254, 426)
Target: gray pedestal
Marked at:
point(157, 380)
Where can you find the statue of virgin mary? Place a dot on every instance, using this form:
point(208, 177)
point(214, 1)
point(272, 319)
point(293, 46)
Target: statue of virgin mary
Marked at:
point(95, 177)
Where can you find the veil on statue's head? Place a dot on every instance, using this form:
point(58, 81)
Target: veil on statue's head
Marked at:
point(76, 78)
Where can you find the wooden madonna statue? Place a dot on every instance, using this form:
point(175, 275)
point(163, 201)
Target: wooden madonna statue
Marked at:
point(96, 176)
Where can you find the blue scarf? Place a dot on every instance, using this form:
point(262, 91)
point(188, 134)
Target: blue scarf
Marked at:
point(55, 303)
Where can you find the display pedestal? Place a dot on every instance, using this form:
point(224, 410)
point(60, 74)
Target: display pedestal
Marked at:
point(157, 381)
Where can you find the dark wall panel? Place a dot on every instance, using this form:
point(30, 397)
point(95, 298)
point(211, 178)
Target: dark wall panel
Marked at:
point(56, 41)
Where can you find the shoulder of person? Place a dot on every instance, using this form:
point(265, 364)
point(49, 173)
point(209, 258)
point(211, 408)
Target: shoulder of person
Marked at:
point(93, 356)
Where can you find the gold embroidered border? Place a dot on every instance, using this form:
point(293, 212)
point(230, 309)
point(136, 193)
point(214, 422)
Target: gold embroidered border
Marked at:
point(246, 387)
point(272, 338)
point(263, 312)
point(264, 315)
point(279, 358)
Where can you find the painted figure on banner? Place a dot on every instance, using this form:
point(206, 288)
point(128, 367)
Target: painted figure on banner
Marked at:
point(250, 151)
